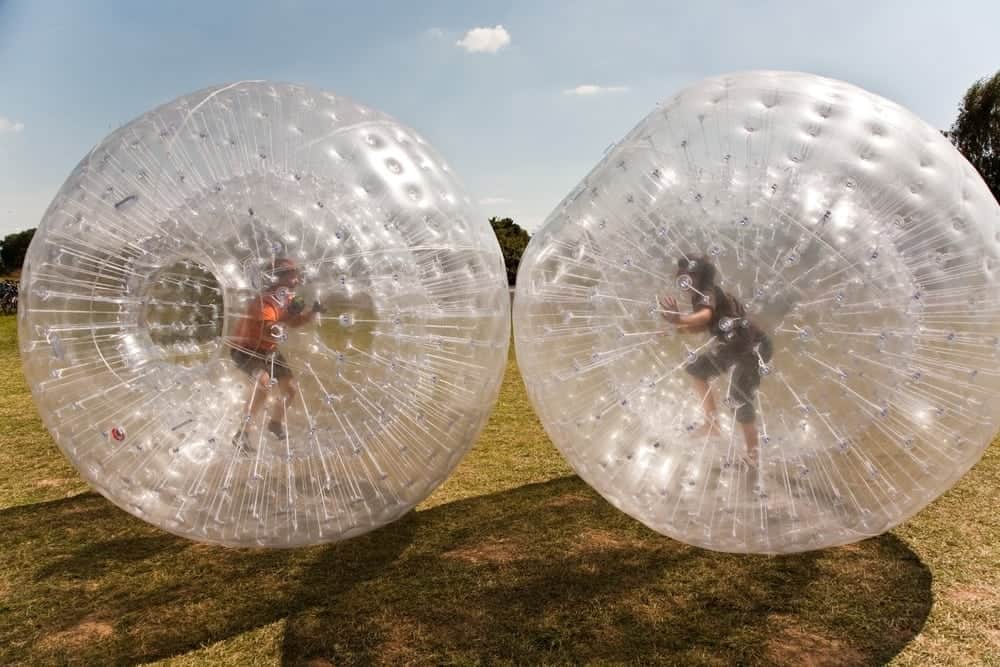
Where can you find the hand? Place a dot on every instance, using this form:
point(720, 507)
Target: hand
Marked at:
point(296, 306)
point(318, 308)
point(669, 305)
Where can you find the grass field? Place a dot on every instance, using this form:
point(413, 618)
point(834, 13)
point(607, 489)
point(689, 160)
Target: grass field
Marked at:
point(513, 560)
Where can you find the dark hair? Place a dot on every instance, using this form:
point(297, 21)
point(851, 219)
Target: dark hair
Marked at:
point(283, 265)
point(279, 268)
point(701, 270)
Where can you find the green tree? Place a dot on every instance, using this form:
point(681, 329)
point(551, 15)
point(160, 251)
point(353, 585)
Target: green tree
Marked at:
point(976, 131)
point(13, 248)
point(513, 240)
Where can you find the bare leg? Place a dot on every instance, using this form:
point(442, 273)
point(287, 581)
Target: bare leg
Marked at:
point(750, 438)
point(259, 395)
point(289, 391)
point(258, 399)
point(704, 392)
point(743, 392)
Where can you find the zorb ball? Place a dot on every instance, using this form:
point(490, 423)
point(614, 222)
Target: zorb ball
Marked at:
point(767, 321)
point(264, 315)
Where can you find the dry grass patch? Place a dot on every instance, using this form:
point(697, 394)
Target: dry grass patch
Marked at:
point(84, 633)
point(494, 552)
point(973, 594)
point(571, 500)
point(49, 483)
point(598, 539)
point(791, 645)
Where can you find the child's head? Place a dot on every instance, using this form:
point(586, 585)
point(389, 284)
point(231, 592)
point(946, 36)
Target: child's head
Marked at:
point(285, 272)
point(701, 270)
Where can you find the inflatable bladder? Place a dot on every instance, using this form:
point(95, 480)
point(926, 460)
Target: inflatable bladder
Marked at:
point(767, 320)
point(264, 315)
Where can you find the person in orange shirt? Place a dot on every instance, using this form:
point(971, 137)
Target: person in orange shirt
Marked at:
point(254, 346)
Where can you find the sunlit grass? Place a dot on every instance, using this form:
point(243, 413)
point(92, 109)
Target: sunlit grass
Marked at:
point(513, 560)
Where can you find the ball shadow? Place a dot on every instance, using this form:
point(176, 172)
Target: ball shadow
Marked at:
point(94, 585)
point(543, 573)
point(550, 573)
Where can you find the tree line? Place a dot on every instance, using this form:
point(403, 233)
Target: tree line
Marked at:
point(13, 249)
point(975, 132)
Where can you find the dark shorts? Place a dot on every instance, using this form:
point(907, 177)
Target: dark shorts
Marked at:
point(251, 363)
point(745, 378)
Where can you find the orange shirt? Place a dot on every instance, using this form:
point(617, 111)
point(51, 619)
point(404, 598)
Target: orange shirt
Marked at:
point(259, 329)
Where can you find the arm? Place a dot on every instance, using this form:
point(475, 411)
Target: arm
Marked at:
point(300, 319)
point(305, 316)
point(695, 321)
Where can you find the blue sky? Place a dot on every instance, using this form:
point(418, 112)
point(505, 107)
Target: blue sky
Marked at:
point(496, 104)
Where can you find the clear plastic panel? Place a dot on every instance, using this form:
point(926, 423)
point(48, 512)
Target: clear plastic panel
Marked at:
point(241, 209)
point(855, 250)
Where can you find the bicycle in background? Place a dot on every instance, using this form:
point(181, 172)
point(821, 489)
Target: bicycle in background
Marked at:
point(8, 297)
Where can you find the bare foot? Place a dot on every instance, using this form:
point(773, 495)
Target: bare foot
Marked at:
point(241, 441)
point(709, 429)
point(278, 429)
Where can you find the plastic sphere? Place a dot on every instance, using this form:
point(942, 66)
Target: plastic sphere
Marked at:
point(848, 256)
point(264, 315)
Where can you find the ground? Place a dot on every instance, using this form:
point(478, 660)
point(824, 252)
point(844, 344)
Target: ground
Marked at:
point(513, 560)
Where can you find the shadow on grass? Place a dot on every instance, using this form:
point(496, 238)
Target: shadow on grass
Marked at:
point(543, 573)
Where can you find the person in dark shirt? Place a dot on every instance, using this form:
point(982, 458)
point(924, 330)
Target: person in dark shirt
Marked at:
point(739, 345)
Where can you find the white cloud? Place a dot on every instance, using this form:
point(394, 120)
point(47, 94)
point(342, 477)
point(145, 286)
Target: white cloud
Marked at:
point(485, 40)
point(495, 200)
point(8, 125)
point(591, 89)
